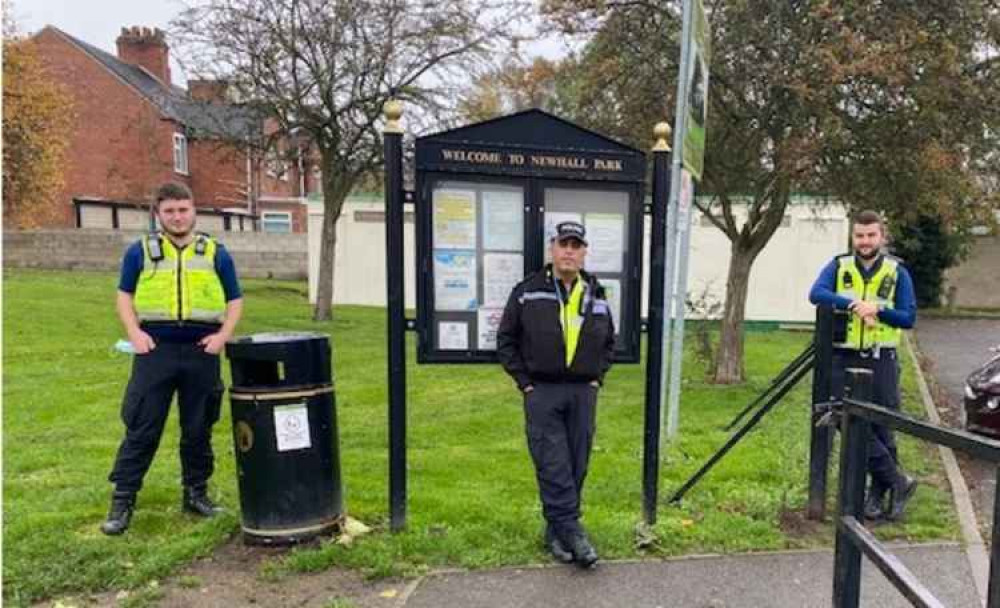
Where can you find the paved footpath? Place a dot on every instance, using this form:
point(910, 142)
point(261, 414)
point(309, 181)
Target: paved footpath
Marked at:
point(799, 579)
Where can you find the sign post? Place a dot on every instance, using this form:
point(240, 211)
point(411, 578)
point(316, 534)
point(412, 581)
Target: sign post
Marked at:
point(655, 316)
point(689, 139)
point(396, 334)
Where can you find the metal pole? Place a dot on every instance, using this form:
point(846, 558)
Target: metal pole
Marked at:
point(396, 317)
point(853, 465)
point(820, 437)
point(670, 271)
point(654, 341)
point(680, 304)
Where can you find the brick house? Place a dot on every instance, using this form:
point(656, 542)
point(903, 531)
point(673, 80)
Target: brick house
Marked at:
point(135, 129)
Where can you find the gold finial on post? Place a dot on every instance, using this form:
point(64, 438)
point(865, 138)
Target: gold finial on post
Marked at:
point(393, 110)
point(662, 132)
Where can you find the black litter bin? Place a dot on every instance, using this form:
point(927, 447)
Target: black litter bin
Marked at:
point(285, 436)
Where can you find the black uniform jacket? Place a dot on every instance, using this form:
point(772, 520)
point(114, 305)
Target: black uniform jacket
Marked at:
point(530, 342)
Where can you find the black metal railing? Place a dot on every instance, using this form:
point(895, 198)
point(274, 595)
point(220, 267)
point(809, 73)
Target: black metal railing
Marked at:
point(857, 413)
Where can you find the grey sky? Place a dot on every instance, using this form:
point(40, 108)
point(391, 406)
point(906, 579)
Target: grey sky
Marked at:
point(99, 22)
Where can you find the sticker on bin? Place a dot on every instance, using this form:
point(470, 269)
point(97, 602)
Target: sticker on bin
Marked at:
point(291, 427)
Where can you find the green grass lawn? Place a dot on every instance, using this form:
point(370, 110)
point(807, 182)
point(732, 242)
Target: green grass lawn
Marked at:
point(472, 495)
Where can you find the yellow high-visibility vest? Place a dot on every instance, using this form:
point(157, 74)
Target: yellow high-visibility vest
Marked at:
point(179, 285)
point(880, 289)
point(571, 319)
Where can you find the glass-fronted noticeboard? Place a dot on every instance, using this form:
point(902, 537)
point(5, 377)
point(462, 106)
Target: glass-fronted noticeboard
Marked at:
point(484, 221)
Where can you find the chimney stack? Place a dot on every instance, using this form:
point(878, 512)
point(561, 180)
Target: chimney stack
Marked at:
point(147, 48)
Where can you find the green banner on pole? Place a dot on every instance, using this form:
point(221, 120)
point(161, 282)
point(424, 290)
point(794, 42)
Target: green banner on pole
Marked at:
point(696, 103)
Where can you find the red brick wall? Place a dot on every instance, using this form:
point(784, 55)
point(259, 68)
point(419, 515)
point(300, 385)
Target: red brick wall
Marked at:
point(120, 148)
point(218, 174)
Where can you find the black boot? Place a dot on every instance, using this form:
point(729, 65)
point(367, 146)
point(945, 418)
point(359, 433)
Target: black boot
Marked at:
point(196, 501)
point(556, 546)
point(579, 545)
point(874, 504)
point(901, 494)
point(120, 514)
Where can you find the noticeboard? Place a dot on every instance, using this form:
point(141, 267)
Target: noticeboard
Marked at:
point(488, 197)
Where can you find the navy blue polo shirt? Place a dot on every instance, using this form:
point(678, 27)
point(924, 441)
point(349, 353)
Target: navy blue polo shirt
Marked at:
point(132, 265)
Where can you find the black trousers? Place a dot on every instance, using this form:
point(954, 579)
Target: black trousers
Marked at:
point(883, 459)
point(560, 424)
point(191, 373)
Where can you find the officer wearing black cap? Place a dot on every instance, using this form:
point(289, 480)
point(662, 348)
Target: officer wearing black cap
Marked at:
point(556, 340)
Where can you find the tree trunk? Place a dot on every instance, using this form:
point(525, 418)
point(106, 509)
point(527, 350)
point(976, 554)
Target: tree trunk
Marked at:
point(336, 186)
point(729, 359)
point(323, 309)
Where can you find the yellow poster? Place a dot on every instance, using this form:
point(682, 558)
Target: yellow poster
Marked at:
point(454, 219)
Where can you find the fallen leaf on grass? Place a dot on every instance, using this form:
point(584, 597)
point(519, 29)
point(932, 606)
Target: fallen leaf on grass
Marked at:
point(350, 529)
point(644, 536)
point(389, 593)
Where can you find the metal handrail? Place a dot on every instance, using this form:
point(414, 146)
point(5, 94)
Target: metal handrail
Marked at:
point(974, 445)
point(857, 414)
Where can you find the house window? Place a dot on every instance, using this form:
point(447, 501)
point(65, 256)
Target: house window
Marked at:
point(276, 221)
point(180, 154)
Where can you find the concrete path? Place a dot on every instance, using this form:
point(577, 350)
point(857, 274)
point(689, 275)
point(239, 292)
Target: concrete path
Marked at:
point(800, 579)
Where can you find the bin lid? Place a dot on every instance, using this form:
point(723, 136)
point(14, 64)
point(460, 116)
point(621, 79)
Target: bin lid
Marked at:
point(279, 337)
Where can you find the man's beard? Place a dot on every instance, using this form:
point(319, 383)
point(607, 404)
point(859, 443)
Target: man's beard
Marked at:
point(871, 255)
point(178, 234)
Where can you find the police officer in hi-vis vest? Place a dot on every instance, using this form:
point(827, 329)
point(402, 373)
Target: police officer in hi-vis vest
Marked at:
point(556, 339)
point(179, 300)
point(877, 293)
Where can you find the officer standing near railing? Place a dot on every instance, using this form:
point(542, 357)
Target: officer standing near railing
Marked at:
point(876, 292)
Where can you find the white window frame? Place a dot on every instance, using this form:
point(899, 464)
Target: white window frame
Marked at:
point(271, 216)
point(180, 154)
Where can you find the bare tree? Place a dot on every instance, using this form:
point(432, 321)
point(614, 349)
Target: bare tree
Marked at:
point(326, 68)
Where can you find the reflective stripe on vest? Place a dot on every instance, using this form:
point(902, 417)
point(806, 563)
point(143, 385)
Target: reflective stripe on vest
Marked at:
point(879, 289)
point(182, 285)
point(571, 319)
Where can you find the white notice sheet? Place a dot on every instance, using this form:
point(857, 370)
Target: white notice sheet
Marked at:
point(453, 335)
point(606, 236)
point(455, 280)
point(454, 219)
point(503, 220)
point(501, 272)
point(291, 427)
point(487, 322)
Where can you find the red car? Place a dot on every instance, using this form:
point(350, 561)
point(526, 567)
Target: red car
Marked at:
point(982, 398)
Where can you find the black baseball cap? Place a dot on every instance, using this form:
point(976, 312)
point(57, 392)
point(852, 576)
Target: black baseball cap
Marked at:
point(570, 230)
